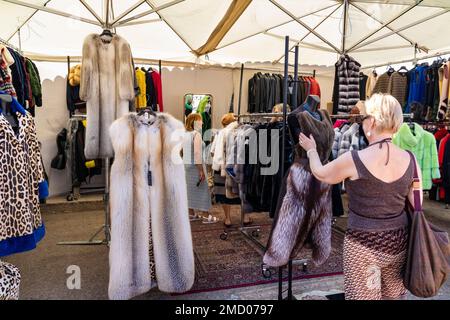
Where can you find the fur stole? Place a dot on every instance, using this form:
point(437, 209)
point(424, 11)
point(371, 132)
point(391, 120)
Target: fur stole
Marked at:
point(144, 203)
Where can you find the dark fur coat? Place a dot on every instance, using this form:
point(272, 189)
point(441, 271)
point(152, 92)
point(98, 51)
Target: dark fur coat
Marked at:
point(304, 218)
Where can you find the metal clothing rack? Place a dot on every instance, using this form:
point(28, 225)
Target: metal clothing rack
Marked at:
point(349, 116)
point(6, 43)
point(106, 228)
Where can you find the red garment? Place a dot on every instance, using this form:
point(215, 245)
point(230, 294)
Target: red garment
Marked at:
point(339, 123)
point(442, 149)
point(441, 133)
point(158, 87)
point(315, 88)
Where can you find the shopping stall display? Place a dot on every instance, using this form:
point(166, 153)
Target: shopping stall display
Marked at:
point(120, 127)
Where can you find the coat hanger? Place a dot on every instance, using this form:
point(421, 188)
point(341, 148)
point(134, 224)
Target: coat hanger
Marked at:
point(390, 70)
point(403, 68)
point(148, 111)
point(106, 32)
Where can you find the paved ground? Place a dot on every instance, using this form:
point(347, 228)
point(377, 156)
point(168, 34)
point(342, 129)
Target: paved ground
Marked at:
point(44, 269)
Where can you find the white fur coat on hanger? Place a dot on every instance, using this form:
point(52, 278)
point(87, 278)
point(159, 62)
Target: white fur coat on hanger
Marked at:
point(107, 87)
point(140, 202)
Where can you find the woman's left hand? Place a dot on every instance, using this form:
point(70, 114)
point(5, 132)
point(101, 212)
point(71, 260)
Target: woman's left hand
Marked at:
point(307, 143)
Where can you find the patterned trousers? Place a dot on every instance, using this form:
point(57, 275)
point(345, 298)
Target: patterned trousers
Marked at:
point(374, 264)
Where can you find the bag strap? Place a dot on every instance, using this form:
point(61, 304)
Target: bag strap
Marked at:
point(416, 184)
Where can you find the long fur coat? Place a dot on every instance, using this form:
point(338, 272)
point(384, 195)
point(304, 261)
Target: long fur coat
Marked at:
point(107, 87)
point(149, 212)
point(305, 211)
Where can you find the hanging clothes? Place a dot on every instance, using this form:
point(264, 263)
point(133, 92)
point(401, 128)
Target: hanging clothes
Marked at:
point(6, 60)
point(417, 87)
point(141, 99)
point(444, 154)
point(423, 145)
point(107, 87)
point(398, 85)
point(151, 241)
point(346, 85)
point(73, 99)
point(305, 213)
point(382, 85)
point(444, 92)
point(351, 140)
point(432, 90)
point(363, 85)
point(158, 87)
point(265, 91)
point(21, 225)
point(371, 82)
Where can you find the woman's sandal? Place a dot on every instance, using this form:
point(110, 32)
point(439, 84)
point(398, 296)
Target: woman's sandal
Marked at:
point(210, 220)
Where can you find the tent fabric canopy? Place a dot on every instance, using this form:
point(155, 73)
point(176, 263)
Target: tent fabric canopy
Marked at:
point(235, 31)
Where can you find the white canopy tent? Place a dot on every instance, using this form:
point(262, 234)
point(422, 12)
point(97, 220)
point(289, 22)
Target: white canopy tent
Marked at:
point(235, 31)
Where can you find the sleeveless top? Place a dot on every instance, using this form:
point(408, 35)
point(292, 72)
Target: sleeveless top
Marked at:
point(375, 205)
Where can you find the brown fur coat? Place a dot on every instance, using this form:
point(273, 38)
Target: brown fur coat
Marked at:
point(304, 218)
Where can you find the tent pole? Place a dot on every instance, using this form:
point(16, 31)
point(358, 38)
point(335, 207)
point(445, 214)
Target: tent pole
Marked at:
point(118, 25)
point(306, 35)
point(92, 11)
point(106, 3)
point(295, 90)
point(52, 11)
point(25, 22)
point(169, 24)
point(385, 25)
point(289, 295)
point(20, 40)
point(415, 23)
point(126, 12)
point(276, 26)
point(146, 13)
point(240, 89)
point(283, 147)
point(381, 22)
point(344, 31)
point(407, 60)
point(304, 25)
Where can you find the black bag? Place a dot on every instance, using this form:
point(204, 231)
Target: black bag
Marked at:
point(59, 161)
point(428, 259)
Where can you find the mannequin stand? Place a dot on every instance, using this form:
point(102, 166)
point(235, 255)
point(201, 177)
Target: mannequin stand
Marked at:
point(106, 226)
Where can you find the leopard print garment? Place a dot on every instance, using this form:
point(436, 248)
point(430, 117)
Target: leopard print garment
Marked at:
point(20, 173)
point(9, 281)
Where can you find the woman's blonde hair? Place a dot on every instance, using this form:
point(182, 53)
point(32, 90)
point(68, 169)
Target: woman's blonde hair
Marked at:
point(190, 121)
point(386, 111)
point(279, 108)
point(227, 119)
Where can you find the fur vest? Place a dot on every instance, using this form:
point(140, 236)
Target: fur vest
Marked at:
point(348, 83)
point(305, 210)
point(321, 130)
point(107, 87)
point(151, 234)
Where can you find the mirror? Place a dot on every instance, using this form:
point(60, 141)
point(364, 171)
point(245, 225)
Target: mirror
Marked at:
point(202, 104)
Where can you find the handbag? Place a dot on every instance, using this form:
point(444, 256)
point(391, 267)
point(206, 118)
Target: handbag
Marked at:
point(428, 256)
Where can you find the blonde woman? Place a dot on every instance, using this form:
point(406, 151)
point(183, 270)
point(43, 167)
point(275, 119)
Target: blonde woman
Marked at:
point(378, 181)
point(199, 198)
